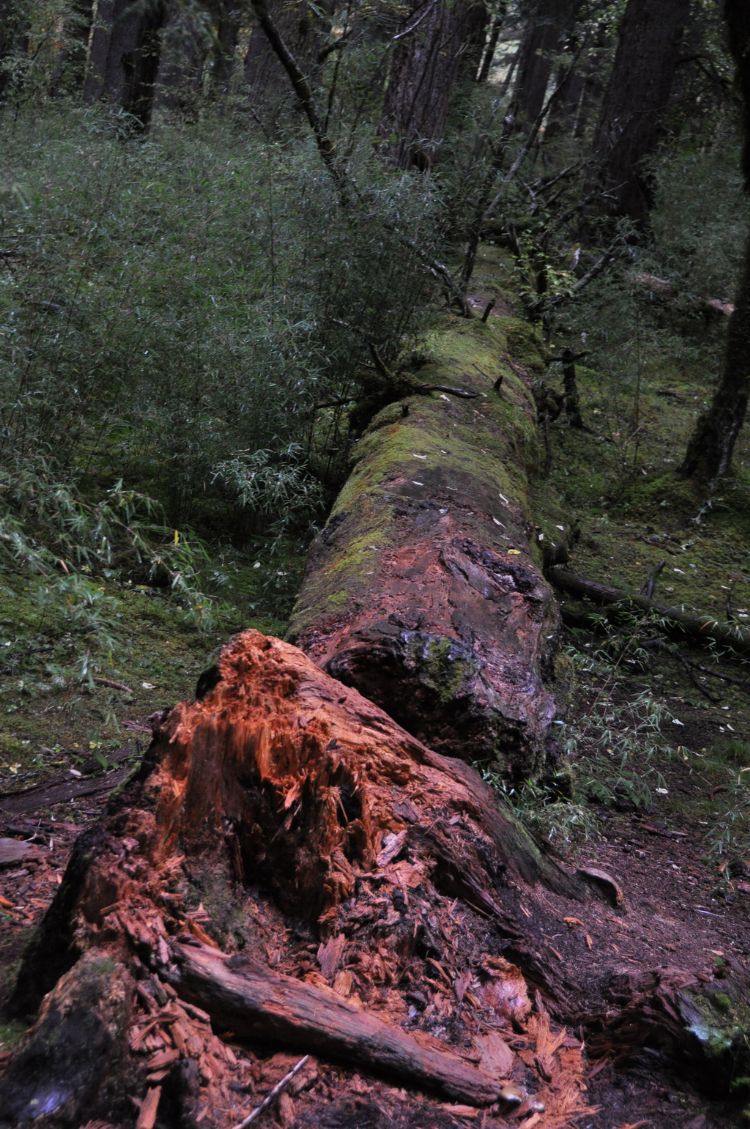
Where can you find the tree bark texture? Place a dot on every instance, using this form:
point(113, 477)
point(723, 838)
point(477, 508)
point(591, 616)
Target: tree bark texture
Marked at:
point(124, 55)
point(422, 591)
point(631, 120)
point(709, 452)
point(440, 44)
point(293, 867)
point(546, 23)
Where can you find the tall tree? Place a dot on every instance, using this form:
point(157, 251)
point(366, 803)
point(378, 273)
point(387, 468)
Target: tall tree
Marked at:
point(709, 452)
point(184, 44)
point(228, 18)
point(124, 54)
point(439, 43)
point(631, 119)
point(546, 22)
point(490, 47)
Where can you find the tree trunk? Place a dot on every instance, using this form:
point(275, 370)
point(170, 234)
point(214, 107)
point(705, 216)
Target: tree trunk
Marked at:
point(11, 24)
point(709, 452)
point(490, 47)
point(630, 124)
point(228, 18)
point(547, 21)
point(184, 44)
point(421, 591)
point(124, 55)
point(303, 32)
point(439, 44)
point(291, 871)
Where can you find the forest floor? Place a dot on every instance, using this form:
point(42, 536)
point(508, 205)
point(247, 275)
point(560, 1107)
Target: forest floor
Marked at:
point(656, 753)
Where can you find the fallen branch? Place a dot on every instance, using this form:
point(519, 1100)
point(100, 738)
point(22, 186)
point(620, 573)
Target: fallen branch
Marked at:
point(62, 788)
point(697, 627)
point(261, 1004)
point(273, 1095)
point(100, 680)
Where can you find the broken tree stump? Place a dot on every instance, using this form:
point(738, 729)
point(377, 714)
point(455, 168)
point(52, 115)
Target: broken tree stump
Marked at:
point(422, 590)
point(289, 869)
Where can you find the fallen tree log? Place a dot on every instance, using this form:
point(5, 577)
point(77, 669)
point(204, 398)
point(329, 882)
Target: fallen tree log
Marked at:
point(355, 881)
point(422, 590)
point(690, 625)
point(258, 1004)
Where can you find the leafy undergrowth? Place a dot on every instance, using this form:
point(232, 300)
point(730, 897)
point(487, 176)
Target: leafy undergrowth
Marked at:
point(83, 670)
point(652, 783)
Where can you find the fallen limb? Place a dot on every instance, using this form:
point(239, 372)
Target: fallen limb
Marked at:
point(696, 627)
point(256, 1003)
point(61, 789)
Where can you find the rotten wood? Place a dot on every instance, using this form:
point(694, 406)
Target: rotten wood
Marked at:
point(671, 1009)
point(274, 1094)
point(283, 804)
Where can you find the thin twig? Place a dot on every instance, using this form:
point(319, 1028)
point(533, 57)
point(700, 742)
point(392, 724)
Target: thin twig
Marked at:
point(100, 680)
point(415, 23)
point(271, 1097)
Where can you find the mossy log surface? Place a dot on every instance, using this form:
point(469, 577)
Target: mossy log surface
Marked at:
point(290, 867)
point(422, 590)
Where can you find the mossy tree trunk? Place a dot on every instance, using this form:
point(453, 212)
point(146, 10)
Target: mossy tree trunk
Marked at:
point(422, 590)
point(291, 871)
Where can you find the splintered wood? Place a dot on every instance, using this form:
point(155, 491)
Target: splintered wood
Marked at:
point(291, 870)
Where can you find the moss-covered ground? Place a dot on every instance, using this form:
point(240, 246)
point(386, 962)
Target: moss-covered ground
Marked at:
point(76, 687)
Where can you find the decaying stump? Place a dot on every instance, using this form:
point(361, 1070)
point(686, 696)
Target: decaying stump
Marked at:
point(288, 870)
point(421, 591)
